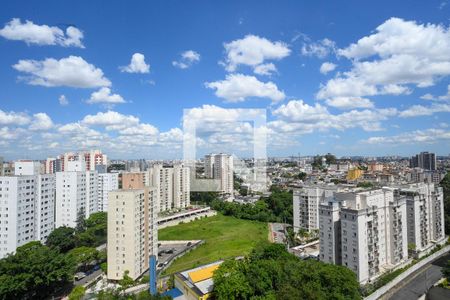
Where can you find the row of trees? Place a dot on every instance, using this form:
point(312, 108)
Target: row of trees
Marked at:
point(36, 271)
point(275, 208)
point(270, 272)
point(445, 183)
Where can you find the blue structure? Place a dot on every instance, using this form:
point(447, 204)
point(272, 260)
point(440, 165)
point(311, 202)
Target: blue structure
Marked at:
point(152, 274)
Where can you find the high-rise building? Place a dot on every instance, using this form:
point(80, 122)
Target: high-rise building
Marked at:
point(27, 167)
point(424, 160)
point(425, 208)
point(172, 184)
point(220, 167)
point(133, 180)
point(132, 233)
point(306, 205)
point(90, 158)
point(106, 182)
point(365, 231)
point(76, 194)
point(26, 208)
point(1, 166)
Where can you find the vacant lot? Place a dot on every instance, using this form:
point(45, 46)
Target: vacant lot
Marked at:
point(224, 237)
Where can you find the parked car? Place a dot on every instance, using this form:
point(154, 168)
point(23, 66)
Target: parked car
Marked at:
point(79, 276)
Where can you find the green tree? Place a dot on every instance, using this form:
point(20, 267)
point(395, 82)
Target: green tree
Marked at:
point(81, 222)
point(62, 238)
point(445, 183)
point(126, 281)
point(34, 272)
point(84, 256)
point(77, 293)
point(446, 271)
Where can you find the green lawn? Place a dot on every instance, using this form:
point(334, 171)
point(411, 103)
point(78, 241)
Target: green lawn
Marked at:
point(224, 237)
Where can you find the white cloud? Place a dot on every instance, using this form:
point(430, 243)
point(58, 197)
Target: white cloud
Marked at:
point(426, 136)
point(320, 49)
point(140, 129)
point(327, 67)
point(137, 65)
point(32, 33)
point(420, 110)
point(188, 58)
point(104, 96)
point(13, 118)
point(111, 119)
point(72, 71)
point(239, 87)
point(349, 102)
point(398, 55)
point(299, 117)
point(41, 121)
point(252, 51)
point(63, 100)
point(265, 69)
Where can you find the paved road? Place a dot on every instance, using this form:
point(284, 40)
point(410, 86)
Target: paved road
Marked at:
point(418, 283)
point(88, 278)
point(278, 230)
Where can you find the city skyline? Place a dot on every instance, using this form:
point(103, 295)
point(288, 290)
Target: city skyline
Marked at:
point(329, 82)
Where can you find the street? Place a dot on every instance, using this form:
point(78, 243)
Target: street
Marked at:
point(418, 283)
point(277, 232)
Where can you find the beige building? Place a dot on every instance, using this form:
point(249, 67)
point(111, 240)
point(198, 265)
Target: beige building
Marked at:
point(133, 180)
point(132, 233)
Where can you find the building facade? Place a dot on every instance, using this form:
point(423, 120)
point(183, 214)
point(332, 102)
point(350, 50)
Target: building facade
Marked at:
point(106, 182)
point(424, 160)
point(132, 233)
point(220, 167)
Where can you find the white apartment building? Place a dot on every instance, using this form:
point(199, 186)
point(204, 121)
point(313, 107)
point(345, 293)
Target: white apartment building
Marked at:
point(91, 159)
point(106, 182)
point(306, 205)
point(26, 210)
point(132, 233)
point(425, 214)
point(27, 167)
point(76, 192)
point(172, 185)
point(365, 231)
point(220, 167)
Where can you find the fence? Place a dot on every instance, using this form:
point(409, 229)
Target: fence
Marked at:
point(386, 288)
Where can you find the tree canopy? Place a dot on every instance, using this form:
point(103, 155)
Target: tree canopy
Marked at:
point(270, 272)
point(34, 272)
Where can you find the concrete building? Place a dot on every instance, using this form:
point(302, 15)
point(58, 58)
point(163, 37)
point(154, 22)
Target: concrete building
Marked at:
point(417, 175)
point(220, 167)
point(76, 193)
point(172, 184)
point(26, 210)
point(27, 167)
point(106, 182)
point(424, 160)
point(1, 166)
point(306, 205)
point(365, 231)
point(90, 158)
point(132, 233)
point(135, 180)
point(425, 210)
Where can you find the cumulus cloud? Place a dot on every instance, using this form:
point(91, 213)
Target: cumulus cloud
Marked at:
point(32, 33)
point(349, 102)
point(239, 87)
point(399, 55)
point(188, 58)
point(137, 65)
point(298, 116)
point(421, 110)
point(41, 121)
point(265, 69)
point(13, 118)
point(426, 136)
point(111, 119)
point(252, 51)
point(72, 71)
point(320, 49)
point(327, 67)
point(63, 101)
point(104, 96)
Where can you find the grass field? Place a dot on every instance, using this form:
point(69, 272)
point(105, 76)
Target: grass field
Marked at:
point(224, 237)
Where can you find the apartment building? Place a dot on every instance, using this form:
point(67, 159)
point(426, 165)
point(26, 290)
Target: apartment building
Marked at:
point(306, 205)
point(76, 193)
point(27, 167)
point(132, 233)
point(220, 167)
point(365, 231)
point(91, 159)
point(425, 214)
point(106, 182)
point(424, 160)
point(26, 210)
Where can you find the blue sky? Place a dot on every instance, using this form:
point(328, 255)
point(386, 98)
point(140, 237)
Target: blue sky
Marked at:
point(346, 77)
